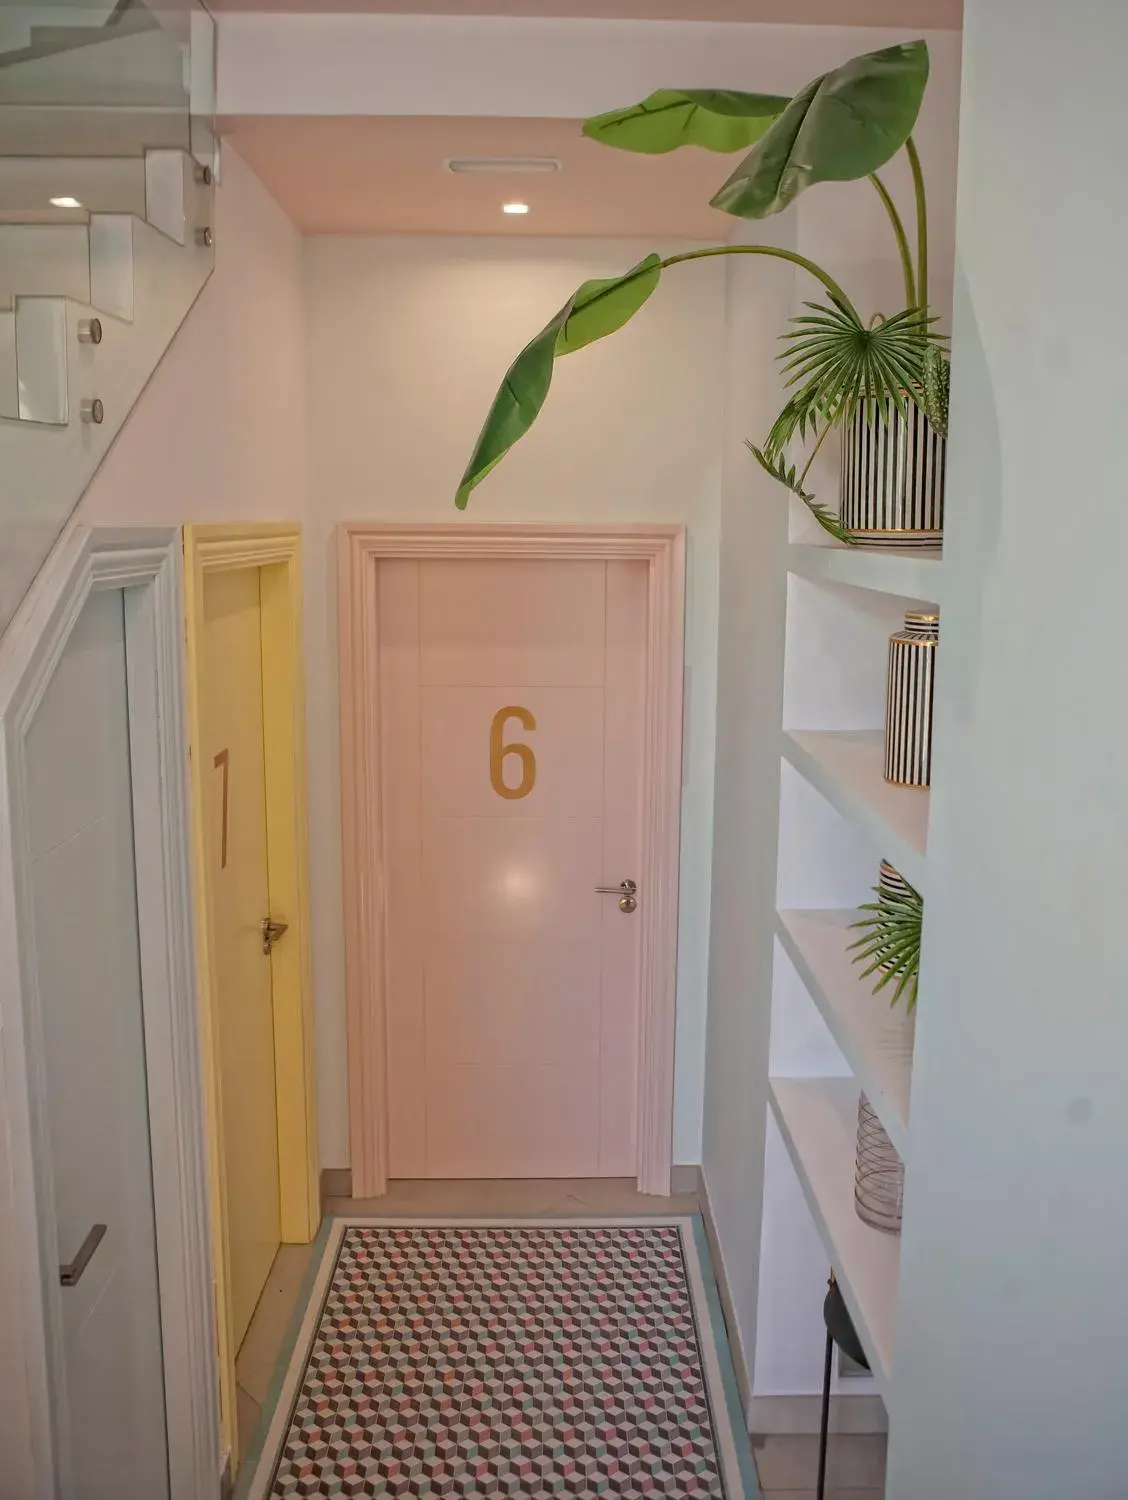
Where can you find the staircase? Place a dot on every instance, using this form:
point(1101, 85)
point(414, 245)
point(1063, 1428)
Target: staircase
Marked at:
point(106, 198)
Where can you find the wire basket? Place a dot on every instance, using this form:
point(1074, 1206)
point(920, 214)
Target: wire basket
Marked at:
point(879, 1174)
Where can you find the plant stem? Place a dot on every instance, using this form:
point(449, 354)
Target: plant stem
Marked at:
point(922, 223)
point(814, 453)
point(902, 239)
point(799, 260)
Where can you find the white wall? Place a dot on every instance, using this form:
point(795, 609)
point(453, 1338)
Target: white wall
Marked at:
point(516, 67)
point(1009, 1363)
point(220, 432)
point(408, 340)
point(754, 515)
point(218, 435)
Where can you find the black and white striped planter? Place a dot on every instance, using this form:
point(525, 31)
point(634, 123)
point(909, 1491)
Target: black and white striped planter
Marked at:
point(908, 701)
point(893, 479)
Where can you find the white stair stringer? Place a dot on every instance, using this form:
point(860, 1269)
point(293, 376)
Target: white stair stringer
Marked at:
point(45, 260)
point(92, 262)
point(40, 349)
point(111, 185)
point(9, 380)
point(119, 68)
point(44, 469)
point(162, 187)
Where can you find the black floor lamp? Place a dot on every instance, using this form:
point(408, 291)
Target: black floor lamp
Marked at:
point(840, 1331)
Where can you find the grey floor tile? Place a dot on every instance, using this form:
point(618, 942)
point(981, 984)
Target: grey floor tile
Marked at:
point(568, 1195)
point(259, 1352)
point(830, 1495)
point(246, 1416)
point(790, 1464)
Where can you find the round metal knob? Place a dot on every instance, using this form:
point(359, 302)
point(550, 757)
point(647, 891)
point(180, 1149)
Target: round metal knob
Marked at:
point(205, 239)
point(93, 411)
point(203, 175)
point(90, 331)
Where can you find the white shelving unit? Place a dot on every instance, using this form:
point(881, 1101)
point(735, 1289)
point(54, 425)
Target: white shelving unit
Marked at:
point(846, 767)
point(839, 618)
point(875, 1040)
point(818, 1120)
point(907, 572)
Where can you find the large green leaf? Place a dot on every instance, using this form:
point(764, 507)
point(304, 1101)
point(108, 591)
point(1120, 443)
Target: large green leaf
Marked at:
point(716, 119)
point(596, 309)
point(842, 126)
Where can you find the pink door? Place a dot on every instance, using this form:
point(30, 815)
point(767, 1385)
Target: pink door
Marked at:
point(511, 716)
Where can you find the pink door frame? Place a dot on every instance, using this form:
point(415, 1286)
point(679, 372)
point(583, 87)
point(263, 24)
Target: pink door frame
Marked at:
point(361, 547)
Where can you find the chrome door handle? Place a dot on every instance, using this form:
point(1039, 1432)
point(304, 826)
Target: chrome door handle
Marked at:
point(627, 892)
point(71, 1274)
point(271, 932)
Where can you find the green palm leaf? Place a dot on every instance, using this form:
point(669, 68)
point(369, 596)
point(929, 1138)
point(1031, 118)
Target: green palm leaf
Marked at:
point(840, 364)
point(715, 119)
point(890, 945)
point(784, 473)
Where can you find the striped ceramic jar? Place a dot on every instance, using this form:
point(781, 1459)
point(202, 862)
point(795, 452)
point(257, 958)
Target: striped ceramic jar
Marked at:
point(893, 479)
point(891, 883)
point(908, 701)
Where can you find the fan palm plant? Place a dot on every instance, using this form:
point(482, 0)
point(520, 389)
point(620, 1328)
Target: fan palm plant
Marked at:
point(891, 937)
point(845, 125)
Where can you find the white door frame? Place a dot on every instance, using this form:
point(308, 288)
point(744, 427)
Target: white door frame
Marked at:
point(146, 565)
point(361, 547)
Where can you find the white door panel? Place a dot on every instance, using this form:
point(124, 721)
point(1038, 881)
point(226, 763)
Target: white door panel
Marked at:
point(110, 1397)
point(512, 714)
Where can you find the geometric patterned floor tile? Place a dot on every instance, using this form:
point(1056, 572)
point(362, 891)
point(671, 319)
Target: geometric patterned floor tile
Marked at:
point(488, 1360)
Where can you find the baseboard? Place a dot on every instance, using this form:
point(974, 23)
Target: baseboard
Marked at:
point(728, 1311)
point(799, 1415)
point(685, 1180)
point(336, 1182)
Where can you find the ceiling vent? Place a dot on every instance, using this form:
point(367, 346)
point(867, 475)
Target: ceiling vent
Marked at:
point(503, 164)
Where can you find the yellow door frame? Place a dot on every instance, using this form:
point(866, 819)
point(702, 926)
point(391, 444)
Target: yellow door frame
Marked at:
point(275, 550)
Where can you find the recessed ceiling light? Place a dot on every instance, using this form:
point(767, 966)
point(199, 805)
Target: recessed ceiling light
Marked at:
point(503, 164)
point(65, 203)
point(515, 208)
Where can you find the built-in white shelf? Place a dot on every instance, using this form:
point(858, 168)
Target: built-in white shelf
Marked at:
point(818, 1121)
point(847, 767)
point(908, 572)
point(876, 1040)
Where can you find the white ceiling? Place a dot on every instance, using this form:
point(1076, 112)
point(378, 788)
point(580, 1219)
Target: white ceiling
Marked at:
point(932, 15)
point(387, 175)
point(349, 124)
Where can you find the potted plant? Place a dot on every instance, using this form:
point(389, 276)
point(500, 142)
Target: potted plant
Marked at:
point(890, 944)
point(840, 370)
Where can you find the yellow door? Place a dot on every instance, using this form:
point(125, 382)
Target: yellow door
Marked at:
point(234, 769)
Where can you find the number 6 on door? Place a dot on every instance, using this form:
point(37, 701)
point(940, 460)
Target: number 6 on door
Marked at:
point(499, 750)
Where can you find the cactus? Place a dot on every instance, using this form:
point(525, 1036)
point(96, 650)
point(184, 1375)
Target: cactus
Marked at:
point(934, 388)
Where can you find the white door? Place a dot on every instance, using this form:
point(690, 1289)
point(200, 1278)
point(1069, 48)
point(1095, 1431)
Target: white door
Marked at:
point(512, 712)
point(108, 1403)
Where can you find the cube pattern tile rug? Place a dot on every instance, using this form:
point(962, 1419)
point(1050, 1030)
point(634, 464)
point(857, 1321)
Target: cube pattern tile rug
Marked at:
point(527, 1357)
